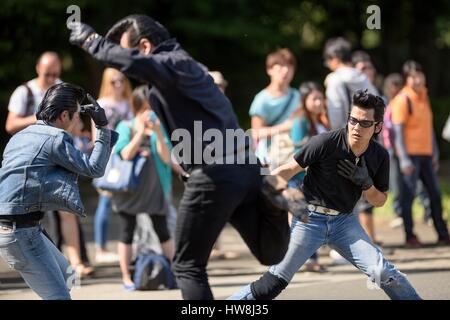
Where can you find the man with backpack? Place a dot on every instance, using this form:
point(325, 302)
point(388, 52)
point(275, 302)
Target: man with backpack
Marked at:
point(416, 148)
point(343, 81)
point(28, 96)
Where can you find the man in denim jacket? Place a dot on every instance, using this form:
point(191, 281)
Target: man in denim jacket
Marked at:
point(39, 173)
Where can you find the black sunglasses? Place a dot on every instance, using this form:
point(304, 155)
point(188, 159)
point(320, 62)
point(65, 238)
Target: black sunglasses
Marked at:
point(362, 123)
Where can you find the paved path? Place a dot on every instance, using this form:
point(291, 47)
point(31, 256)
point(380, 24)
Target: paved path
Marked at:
point(428, 269)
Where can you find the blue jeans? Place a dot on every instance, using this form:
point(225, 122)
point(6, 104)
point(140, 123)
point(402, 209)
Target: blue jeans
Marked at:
point(396, 187)
point(344, 234)
point(423, 170)
point(39, 262)
point(296, 182)
point(102, 214)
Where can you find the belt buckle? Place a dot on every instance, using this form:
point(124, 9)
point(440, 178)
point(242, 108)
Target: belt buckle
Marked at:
point(5, 229)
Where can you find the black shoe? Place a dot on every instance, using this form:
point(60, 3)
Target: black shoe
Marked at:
point(443, 241)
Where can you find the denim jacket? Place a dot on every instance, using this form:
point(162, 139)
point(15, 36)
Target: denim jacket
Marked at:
point(40, 169)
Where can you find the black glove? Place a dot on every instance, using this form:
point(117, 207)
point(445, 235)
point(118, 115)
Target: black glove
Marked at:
point(96, 112)
point(79, 33)
point(358, 175)
point(292, 201)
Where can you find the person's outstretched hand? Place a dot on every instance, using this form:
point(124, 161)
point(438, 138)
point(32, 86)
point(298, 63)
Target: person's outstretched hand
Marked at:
point(79, 33)
point(96, 112)
point(358, 175)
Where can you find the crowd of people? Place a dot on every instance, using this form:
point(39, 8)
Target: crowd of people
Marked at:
point(367, 139)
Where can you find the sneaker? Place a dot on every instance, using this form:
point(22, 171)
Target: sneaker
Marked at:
point(107, 257)
point(129, 287)
point(337, 258)
point(396, 223)
point(443, 242)
point(413, 242)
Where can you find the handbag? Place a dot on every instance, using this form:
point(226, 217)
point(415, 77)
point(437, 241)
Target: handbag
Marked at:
point(120, 175)
point(281, 148)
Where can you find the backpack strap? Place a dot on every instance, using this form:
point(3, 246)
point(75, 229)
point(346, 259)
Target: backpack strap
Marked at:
point(408, 101)
point(30, 100)
point(283, 110)
point(349, 97)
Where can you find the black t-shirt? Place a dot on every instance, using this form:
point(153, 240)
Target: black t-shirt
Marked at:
point(323, 185)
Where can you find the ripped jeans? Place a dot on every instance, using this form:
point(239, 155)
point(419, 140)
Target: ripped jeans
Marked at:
point(344, 234)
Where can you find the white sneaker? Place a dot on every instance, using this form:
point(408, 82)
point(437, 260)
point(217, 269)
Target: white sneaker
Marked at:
point(108, 257)
point(396, 223)
point(337, 258)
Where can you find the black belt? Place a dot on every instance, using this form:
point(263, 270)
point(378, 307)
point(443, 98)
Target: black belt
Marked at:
point(21, 221)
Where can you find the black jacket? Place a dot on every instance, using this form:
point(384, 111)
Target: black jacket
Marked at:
point(181, 90)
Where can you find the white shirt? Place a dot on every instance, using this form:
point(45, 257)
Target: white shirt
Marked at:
point(19, 98)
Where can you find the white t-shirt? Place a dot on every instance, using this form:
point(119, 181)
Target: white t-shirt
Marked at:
point(19, 99)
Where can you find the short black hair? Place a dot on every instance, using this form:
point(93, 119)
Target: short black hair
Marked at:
point(138, 26)
point(58, 98)
point(366, 100)
point(409, 67)
point(360, 56)
point(338, 48)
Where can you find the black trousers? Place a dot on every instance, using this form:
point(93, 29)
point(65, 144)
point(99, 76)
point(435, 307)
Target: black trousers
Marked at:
point(128, 225)
point(213, 196)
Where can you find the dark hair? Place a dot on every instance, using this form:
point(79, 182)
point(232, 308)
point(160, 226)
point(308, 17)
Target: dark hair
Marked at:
point(338, 48)
point(138, 26)
point(360, 56)
point(305, 89)
point(138, 97)
point(281, 56)
point(409, 67)
point(58, 98)
point(366, 100)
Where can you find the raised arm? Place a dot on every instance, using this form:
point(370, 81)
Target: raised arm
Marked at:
point(146, 68)
point(66, 155)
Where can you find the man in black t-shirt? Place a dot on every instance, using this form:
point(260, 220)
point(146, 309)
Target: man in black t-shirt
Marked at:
point(342, 165)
